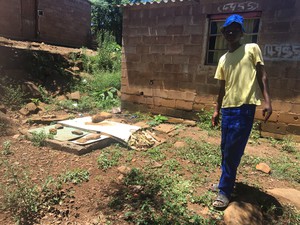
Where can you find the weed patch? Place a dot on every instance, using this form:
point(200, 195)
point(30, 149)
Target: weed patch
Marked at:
point(6, 148)
point(39, 138)
point(200, 153)
point(109, 158)
point(76, 176)
point(156, 198)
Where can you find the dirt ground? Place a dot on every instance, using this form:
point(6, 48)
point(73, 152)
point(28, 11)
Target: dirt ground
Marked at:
point(89, 202)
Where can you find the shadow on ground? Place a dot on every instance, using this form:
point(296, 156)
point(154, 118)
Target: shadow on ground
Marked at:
point(270, 207)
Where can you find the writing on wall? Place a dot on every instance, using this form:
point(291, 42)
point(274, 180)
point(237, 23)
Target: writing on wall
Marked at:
point(282, 52)
point(238, 6)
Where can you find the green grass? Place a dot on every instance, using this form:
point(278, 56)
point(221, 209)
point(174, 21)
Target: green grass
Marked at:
point(13, 96)
point(282, 167)
point(6, 148)
point(75, 176)
point(109, 158)
point(156, 153)
point(39, 138)
point(156, 198)
point(200, 153)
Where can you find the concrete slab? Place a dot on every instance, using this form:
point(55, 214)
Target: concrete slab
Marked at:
point(70, 147)
point(120, 131)
point(64, 134)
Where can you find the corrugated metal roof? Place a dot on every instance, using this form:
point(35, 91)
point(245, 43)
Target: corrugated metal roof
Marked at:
point(154, 2)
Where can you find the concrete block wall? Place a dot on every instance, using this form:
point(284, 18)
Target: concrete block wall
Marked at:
point(10, 18)
point(163, 62)
point(162, 54)
point(65, 22)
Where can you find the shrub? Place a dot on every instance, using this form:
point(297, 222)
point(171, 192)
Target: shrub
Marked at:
point(13, 96)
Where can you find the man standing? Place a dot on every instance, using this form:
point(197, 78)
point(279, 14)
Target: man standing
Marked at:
point(242, 82)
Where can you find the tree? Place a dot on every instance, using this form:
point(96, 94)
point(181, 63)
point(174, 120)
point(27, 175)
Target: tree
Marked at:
point(107, 17)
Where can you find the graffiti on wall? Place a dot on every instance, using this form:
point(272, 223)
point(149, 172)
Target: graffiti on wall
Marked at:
point(282, 52)
point(238, 6)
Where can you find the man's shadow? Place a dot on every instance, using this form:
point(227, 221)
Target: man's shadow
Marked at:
point(270, 207)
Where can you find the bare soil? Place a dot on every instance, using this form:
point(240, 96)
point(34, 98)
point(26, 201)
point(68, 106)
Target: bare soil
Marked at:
point(89, 202)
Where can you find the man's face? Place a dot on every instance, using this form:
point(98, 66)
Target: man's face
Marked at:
point(233, 33)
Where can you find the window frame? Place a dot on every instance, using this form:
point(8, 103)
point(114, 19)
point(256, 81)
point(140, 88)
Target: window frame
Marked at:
point(222, 18)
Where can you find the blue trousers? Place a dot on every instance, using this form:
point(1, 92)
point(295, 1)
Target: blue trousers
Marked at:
point(236, 127)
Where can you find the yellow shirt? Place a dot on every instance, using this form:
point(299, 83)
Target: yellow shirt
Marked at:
point(238, 69)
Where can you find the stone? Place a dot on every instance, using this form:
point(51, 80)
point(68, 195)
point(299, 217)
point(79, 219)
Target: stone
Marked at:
point(77, 132)
point(191, 123)
point(124, 169)
point(289, 195)
point(179, 144)
point(61, 98)
point(32, 108)
point(263, 167)
point(116, 110)
point(100, 117)
point(242, 213)
point(175, 120)
point(166, 128)
point(24, 111)
point(142, 124)
point(3, 109)
point(93, 136)
point(58, 126)
point(75, 95)
point(52, 131)
point(31, 89)
point(156, 165)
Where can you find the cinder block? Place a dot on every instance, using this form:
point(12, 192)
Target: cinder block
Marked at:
point(181, 104)
point(164, 102)
point(259, 115)
point(198, 106)
point(165, 20)
point(160, 93)
point(180, 59)
point(206, 99)
point(196, 39)
point(174, 49)
point(182, 10)
point(132, 98)
point(181, 39)
point(174, 30)
point(195, 59)
point(157, 49)
point(182, 20)
point(132, 57)
point(293, 129)
point(193, 29)
point(289, 118)
point(295, 108)
point(281, 106)
point(172, 68)
point(129, 49)
point(192, 49)
point(149, 101)
point(273, 135)
point(277, 128)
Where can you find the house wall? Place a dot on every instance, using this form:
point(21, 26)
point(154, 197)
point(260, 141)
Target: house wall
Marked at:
point(10, 18)
point(63, 22)
point(163, 64)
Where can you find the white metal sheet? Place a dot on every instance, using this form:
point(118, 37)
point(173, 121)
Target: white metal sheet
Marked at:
point(120, 131)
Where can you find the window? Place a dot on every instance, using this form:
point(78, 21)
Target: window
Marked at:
point(217, 44)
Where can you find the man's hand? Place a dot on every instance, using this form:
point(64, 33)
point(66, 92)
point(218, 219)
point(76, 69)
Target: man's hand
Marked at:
point(267, 112)
point(215, 119)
